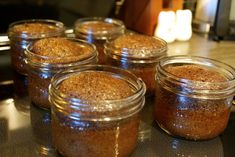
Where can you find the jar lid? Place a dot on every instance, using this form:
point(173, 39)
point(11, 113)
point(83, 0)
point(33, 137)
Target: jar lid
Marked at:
point(136, 47)
point(98, 28)
point(97, 93)
point(35, 28)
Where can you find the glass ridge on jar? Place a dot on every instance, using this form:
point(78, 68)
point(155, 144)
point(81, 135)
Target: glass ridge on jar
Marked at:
point(98, 128)
point(139, 60)
point(40, 73)
point(97, 30)
point(195, 110)
point(19, 40)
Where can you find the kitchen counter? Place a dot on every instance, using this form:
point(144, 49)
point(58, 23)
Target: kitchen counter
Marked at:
point(25, 129)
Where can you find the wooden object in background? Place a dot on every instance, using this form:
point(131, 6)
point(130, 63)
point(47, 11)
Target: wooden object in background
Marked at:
point(142, 15)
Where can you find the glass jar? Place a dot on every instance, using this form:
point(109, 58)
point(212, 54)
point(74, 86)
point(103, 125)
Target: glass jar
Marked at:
point(97, 30)
point(42, 68)
point(96, 127)
point(21, 33)
point(193, 96)
point(138, 54)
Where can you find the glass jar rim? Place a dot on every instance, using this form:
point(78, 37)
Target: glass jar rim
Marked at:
point(27, 35)
point(29, 55)
point(132, 54)
point(129, 105)
point(100, 35)
point(189, 85)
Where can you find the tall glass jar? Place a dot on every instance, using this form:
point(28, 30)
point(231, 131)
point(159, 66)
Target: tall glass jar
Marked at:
point(95, 122)
point(193, 96)
point(97, 30)
point(21, 33)
point(137, 53)
point(42, 68)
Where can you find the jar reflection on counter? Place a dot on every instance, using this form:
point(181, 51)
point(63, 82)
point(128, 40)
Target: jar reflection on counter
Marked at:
point(22, 33)
point(41, 127)
point(193, 96)
point(42, 68)
point(21, 96)
point(138, 54)
point(104, 127)
point(97, 30)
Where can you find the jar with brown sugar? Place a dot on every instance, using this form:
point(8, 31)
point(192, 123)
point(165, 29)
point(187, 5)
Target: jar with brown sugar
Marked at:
point(138, 54)
point(97, 30)
point(22, 33)
point(47, 56)
point(95, 111)
point(193, 96)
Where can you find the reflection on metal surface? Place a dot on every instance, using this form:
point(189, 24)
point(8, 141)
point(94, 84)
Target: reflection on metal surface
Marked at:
point(234, 100)
point(3, 130)
point(160, 144)
point(4, 43)
point(22, 104)
point(144, 132)
point(15, 120)
point(69, 33)
point(4, 48)
point(7, 82)
point(41, 127)
point(233, 106)
point(21, 98)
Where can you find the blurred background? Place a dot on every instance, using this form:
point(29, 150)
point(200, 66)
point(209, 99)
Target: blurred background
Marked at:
point(216, 16)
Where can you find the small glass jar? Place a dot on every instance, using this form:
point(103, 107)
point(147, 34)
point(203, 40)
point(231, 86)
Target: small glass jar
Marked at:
point(97, 30)
point(21, 33)
point(138, 54)
point(193, 96)
point(42, 68)
point(100, 127)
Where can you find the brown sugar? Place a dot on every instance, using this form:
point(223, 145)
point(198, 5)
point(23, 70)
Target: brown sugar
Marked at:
point(60, 50)
point(34, 28)
point(192, 117)
point(143, 44)
point(196, 73)
point(57, 54)
point(78, 137)
point(102, 86)
point(94, 27)
point(139, 54)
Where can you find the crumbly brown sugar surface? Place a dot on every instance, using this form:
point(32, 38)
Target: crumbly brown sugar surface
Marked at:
point(137, 41)
point(97, 26)
point(95, 86)
point(36, 27)
point(63, 48)
point(196, 73)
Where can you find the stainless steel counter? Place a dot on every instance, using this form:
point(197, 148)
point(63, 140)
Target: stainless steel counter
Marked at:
point(25, 129)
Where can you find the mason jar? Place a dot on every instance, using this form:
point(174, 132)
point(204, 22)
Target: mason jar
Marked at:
point(97, 30)
point(138, 54)
point(21, 33)
point(193, 96)
point(95, 111)
point(41, 68)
